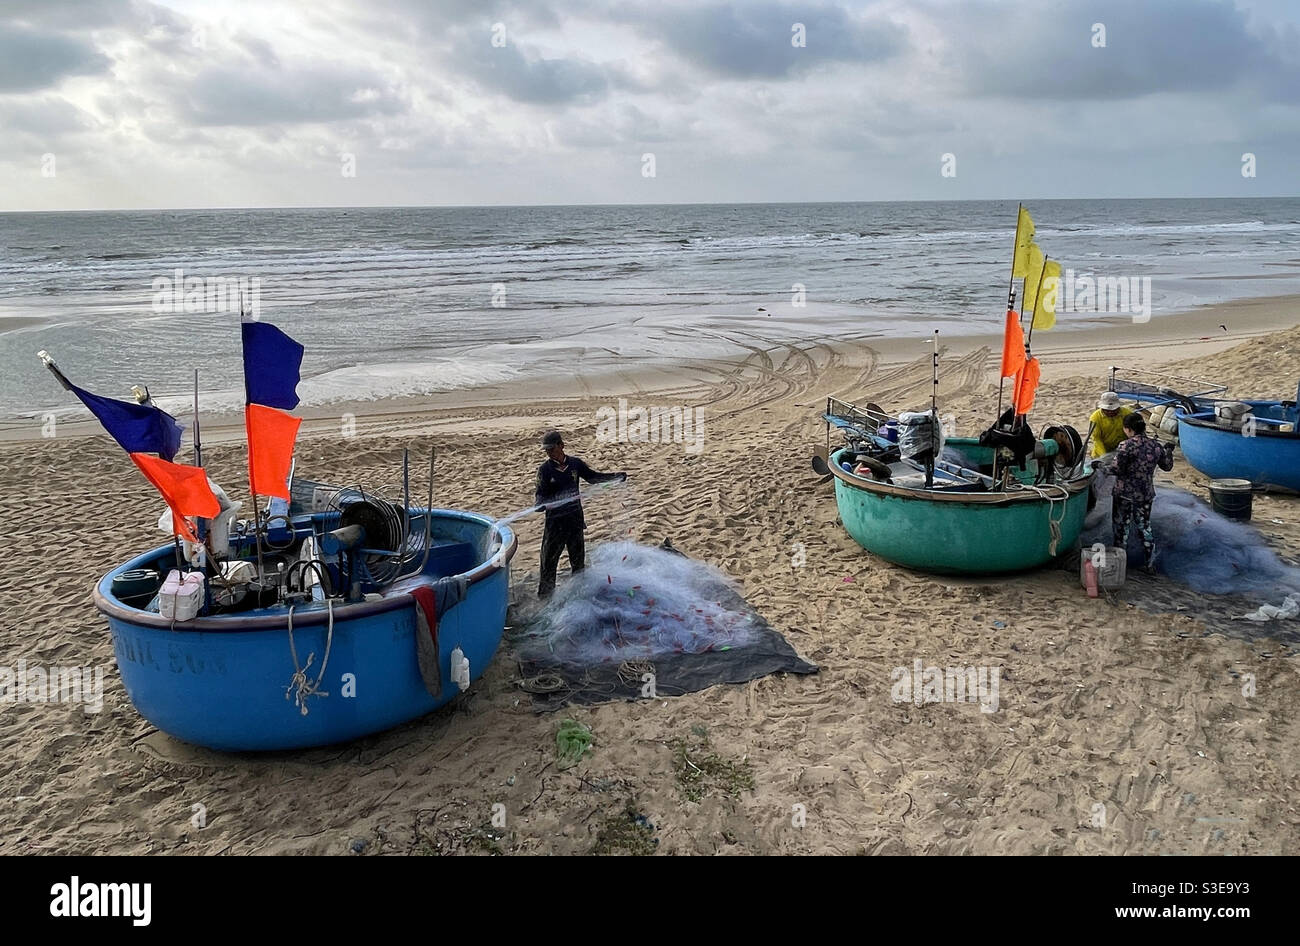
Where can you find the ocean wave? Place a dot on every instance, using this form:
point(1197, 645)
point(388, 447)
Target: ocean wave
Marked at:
point(358, 383)
point(386, 286)
point(1135, 229)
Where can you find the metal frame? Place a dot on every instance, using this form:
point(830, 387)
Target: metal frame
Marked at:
point(1160, 386)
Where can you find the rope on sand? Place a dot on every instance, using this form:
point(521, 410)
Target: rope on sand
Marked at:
point(543, 683)
point(632, 672)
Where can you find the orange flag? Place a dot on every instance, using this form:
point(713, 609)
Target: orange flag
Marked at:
point(1027, 386)
point(271, 434)
point(185, 488)
point(1013, 346)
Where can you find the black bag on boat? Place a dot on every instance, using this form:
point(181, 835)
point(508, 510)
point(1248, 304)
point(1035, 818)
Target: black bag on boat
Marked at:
point(1001, 435)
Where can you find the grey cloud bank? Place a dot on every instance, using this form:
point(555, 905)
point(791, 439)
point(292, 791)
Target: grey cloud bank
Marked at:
point(248, 104)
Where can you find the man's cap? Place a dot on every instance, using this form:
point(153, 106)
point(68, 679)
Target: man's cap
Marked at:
point(1109, 401)
point(551, 438)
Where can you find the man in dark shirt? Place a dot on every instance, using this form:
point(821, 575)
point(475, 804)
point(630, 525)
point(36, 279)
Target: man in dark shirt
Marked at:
point(557, 493)
point(1136, 460)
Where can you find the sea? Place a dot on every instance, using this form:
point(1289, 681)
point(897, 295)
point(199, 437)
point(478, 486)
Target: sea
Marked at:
point(391, 302)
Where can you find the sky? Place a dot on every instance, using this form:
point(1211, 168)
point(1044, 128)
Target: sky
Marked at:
point(123, 104)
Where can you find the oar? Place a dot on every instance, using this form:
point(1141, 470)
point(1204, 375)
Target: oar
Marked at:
point(964, 473)
point(819, 466)
point(1082, 459)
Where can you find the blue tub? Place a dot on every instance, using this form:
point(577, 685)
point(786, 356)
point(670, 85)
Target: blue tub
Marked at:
point(1271, 457)
point(220, 681)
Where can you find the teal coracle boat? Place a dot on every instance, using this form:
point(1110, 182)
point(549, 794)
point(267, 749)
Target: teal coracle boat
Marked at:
point(1006, 501)
point(954, 530)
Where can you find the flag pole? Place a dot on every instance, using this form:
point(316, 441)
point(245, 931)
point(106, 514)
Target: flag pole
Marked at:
point(198, 442)
point(1011, 303)
point(934, 412)
point(200, 528)
point(257, 512)
point(1038, 299)
point(934, 376)
point(1029, 338)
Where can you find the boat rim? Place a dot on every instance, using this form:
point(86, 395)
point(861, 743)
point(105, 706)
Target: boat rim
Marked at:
point(1207, 423)
point(1028, 494)
point(241, 621)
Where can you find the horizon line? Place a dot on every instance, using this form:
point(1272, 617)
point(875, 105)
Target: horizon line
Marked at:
point(700, 203)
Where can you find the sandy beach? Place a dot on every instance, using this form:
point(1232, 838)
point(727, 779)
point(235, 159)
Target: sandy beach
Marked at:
point(1134, 704)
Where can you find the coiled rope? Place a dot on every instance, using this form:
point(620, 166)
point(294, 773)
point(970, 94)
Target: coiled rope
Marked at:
point(1045, 491)
point(299, 685)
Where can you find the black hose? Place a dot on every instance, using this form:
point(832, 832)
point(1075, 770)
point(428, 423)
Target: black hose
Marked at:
point(300, 569)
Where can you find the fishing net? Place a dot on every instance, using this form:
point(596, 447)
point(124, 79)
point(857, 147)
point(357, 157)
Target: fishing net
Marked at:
point(642, 620)
point(1197, 547)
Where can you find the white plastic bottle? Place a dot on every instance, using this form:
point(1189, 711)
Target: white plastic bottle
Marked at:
point(460, 669)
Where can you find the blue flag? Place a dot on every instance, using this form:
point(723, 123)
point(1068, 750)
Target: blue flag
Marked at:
point(272, 366)
point(139, 428)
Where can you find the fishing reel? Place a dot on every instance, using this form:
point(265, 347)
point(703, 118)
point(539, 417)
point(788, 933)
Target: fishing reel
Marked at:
point(1068, 451)
point(374, 536)
point(382, 524)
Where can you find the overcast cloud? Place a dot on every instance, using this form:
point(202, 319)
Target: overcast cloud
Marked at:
point(122, 104)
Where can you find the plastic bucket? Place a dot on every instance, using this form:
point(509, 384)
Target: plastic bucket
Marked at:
point(1231, 498)
point(137, 586)
point(1111, 565)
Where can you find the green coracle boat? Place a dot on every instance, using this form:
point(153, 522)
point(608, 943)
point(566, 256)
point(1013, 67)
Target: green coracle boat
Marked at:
point(1003, 502)
point(957, 526)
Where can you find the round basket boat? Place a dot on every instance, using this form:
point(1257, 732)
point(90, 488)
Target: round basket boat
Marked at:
point(1265, 452)
point(960, 531)
point(226, 681)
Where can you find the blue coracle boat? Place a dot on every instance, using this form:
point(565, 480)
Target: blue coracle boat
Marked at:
point(333, 614)
point(228, 681)
point(1255, 447)
point(1254, 440)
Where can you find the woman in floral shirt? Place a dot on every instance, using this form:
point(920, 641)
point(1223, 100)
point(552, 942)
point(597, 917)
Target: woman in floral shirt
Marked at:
point(1135, 469)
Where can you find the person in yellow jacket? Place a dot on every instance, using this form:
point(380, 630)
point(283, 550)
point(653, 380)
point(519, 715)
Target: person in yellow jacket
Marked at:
point(1108, 424)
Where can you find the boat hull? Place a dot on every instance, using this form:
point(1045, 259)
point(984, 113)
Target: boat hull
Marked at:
point(978, 535)
point(226, 684)
point(1269, 458)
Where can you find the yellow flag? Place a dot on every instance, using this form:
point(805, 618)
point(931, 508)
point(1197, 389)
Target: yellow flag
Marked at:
point(1024, 239)
point(1048, 296)
point(1033, 273)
